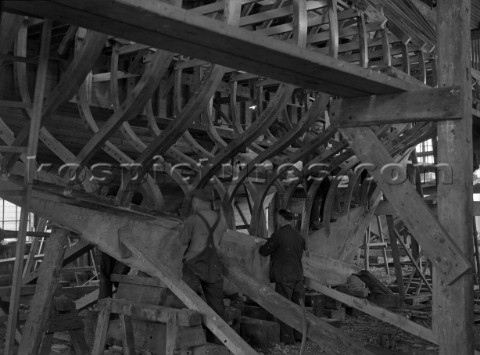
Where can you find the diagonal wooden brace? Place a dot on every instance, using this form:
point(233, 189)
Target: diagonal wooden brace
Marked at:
point(409, 206)
point(155, 267)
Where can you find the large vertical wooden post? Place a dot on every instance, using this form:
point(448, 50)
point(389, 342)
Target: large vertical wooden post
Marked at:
point(40, 85)
point(41, 306)
point(453, 304)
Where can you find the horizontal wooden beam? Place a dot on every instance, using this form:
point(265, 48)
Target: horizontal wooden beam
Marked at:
point(413, 106)
point(190, 33)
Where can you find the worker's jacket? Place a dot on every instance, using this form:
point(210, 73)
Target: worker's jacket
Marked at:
point(285, 248)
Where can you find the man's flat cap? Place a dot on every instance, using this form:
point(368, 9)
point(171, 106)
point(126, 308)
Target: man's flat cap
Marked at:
point(286, 214)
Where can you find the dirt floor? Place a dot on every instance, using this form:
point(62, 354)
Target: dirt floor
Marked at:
point(379, 337)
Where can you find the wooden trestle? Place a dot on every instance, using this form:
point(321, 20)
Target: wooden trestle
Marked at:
point(179, 94)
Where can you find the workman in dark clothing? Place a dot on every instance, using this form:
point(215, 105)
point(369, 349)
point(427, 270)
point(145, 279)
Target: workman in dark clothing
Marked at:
point(285, 248)
point(201, 234)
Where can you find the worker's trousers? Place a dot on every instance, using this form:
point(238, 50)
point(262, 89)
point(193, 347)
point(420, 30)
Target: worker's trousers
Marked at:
point(293, 291)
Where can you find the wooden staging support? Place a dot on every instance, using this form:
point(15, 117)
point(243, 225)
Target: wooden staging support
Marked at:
point(35, 125)
point(329, 337)
point(193, 301)
point(453, 304)
point(46, 287)
point(183, 331)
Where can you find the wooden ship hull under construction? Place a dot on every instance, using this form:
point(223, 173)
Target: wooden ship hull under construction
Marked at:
point(105, 101)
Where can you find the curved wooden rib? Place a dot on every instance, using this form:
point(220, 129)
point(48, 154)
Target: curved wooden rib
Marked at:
point(319, 159)
point(260, 197)
point(317, 108)
point(149, 185)
point(9, 26)
point(327, 154)
point(345, 235)
point(334, 33)
point(7, 136)
point(134, 103)
point(246, 137)
point(249, 135)
point(115, 100)
point(175, 129)
point(406, 58)
point(197, 148)
point(307, 207)
point(332, 192)
point(53, 144)
point(352, 188)
point(363, 39)
point(88, 181)
point(237, 126)
point(65, 89)
point(423, 67)
point(387, 55)
point(212, 131)
point(138, 144)
point(209, 83)
point(151, 189)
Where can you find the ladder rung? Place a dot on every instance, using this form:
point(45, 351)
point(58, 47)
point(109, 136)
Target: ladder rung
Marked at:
point(380, 244)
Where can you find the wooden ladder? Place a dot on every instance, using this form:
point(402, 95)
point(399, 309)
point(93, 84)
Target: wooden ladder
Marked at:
point(65, 318)
point(382, 244)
